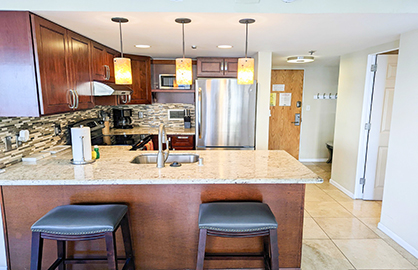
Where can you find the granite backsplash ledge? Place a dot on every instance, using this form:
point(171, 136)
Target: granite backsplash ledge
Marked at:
point(42, 134)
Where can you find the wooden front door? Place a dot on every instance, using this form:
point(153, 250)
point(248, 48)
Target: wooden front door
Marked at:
point(285, 107)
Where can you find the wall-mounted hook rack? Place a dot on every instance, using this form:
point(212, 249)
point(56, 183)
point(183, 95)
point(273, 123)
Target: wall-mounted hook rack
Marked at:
point(325, 96)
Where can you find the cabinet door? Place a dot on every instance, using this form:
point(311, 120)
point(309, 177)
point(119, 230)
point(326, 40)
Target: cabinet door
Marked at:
point(79, 62)
point(98, 70)
point(108, 61)
point(182, 142)
point(210, 67)
point(141, 79)
point(231, 67)
point(50, 41)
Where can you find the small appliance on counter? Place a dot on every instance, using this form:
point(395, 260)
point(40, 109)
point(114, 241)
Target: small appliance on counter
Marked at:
point(187, 119)
point(122, 118)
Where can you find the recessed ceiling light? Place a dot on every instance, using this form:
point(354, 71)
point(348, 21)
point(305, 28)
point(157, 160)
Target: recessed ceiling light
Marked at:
point(300, 59)
point(224, 46)
point(143, 46)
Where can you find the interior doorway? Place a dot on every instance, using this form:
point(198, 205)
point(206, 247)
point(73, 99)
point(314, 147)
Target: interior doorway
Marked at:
point(285, 110)
point(377, 127)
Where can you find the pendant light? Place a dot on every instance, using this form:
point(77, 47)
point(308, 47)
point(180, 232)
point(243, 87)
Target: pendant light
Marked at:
point(123, 71)
point(246, 65)
point(183, 65)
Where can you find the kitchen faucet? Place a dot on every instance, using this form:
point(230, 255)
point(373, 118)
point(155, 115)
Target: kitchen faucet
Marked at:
point(162, 138)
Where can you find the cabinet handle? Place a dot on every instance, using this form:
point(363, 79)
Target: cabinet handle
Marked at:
point(182, 137)
point(129, 98)
point(107, 72)
point(199, 106)
point(222, 66)
point(77, 99)
point(226, 66)
point(125, 98)
point(71, 99)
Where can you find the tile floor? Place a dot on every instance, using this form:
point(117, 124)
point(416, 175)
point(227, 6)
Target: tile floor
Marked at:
point(342, 234)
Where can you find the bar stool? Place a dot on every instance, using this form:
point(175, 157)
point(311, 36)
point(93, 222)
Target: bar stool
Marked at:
point(238, 219)
point(81, 223)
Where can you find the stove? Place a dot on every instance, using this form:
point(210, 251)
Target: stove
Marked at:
point(137, 141)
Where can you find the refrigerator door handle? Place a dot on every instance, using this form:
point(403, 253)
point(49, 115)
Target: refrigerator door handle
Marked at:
point(199, 121)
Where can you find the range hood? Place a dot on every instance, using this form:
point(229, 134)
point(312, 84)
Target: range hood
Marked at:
point(110, 89)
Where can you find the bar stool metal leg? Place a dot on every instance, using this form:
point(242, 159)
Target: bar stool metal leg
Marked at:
point(61, 254)
point(126, 234)
point(112, 260)
point(274, 250)
point(201, 249)
point(36, 252)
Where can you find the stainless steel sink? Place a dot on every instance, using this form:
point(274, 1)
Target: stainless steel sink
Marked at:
point(152, 158)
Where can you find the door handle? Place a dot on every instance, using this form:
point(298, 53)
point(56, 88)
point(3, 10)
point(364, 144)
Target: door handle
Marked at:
point(297, 119)
point(199, 121)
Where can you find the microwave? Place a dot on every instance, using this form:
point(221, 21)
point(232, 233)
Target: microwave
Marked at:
point(168, 81)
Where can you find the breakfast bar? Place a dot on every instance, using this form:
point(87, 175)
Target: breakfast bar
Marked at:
point(163, 203)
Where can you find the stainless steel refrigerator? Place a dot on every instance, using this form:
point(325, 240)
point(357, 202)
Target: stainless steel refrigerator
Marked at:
point(225, 114)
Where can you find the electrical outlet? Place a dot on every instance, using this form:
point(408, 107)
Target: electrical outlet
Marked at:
point(140, 115)
point(308, 107)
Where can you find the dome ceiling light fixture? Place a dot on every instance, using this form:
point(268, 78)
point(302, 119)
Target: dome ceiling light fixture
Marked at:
point(123, 70)
point(246, 65)
point(183, 65)
point(301, 59)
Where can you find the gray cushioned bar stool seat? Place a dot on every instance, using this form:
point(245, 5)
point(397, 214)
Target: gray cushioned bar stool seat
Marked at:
point(238, 219)
point(81, 223)
point(81, 219)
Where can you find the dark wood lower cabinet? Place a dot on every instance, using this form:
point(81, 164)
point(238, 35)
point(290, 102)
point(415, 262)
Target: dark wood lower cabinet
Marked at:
point(178, 142)
point(164, 222)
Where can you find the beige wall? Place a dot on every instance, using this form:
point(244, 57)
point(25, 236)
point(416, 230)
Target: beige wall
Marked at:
point(263, 62)
point(348, 119)
point(399, 211)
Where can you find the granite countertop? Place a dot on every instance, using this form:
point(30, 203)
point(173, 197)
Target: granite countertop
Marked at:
point(153, 131)
point(114, 168)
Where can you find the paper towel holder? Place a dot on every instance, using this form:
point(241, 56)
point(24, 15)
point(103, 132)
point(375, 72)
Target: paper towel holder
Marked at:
point(84, 161)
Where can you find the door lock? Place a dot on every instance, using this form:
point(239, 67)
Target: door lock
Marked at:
point(297, 119)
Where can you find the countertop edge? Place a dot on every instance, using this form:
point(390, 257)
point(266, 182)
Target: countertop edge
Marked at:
point(75, 182)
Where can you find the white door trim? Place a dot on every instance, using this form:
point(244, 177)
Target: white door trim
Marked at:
point(368, 88)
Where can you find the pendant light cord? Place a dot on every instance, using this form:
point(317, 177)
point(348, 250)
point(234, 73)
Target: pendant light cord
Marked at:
point(183, 40)
point(121, 44)
point(246, 39)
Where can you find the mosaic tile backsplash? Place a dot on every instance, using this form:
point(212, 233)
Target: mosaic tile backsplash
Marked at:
point(42, 134)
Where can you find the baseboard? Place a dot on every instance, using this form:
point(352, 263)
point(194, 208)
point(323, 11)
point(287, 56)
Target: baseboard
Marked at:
point(343, 189)
point(313, 159)
point(398, 240)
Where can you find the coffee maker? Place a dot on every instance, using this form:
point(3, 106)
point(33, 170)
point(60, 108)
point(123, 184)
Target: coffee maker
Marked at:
point(122, 118)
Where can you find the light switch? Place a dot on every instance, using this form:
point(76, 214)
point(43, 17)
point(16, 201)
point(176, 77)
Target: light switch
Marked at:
point(308, 107)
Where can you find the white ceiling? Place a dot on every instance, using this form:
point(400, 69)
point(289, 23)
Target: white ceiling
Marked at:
point(331, 35)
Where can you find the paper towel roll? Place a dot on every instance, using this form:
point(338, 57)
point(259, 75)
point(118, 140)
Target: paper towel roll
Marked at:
point(81, 144)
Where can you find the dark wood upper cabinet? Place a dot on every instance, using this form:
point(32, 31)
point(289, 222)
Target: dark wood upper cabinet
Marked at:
point(18, 87)
point(141, 79)
point(80, 63)
point(217, 67)
point(51, 53)
point(102, 62)
point(231, 67)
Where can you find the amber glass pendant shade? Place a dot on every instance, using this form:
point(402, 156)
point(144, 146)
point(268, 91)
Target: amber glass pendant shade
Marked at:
point(184, 71)
point(245, 71)
point(123, 71)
